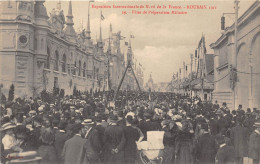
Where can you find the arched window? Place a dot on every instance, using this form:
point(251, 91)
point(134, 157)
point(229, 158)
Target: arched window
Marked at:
point(56, 66)
point(47, 65)
point(75, 67)
point(84, 69)
point(79, 74)
point(64, 62)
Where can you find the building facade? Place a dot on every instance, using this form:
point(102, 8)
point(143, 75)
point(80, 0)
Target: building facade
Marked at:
point(244, 87)
point(40, 51)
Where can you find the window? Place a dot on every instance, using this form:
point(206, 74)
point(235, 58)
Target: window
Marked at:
point(205, 97)
point(74, 69)
point(47, 64)
point(56, 65)
point(84, 69)
point(64, 61)
point(79, 73)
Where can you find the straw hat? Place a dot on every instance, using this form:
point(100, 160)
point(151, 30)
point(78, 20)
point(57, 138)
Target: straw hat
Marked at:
point(257, 124)
point(7, 126)
point(87, 122)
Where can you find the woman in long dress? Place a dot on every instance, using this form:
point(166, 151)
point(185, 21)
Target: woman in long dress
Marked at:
point(184, 144)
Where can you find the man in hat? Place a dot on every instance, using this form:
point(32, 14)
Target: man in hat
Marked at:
point(205, 148)
point(52, 108)
point(114, 142)
point(239, 138)
point(94, 144)
point(149, 125)
point(222, 124)
point(60, 138)
point(216, 106)
point(239, 107)
point(254, 144)
point(226, 152)
point(224, 106)
point(73, 150)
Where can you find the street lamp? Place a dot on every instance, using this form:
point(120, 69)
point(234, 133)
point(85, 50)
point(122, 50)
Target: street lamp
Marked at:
point(250, 61)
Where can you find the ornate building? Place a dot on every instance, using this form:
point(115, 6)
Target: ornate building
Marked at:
point(240, 86)
point(40, 51)
point(150, 85)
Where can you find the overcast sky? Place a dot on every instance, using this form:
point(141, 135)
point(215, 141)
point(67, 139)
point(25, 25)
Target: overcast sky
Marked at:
point(162, 42)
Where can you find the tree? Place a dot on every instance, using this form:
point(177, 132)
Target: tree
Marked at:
point(3, 98)
point(11, 93)
point(62, 93)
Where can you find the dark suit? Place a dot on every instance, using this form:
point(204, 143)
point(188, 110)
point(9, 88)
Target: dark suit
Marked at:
point(48, 154)
point(60, 139)
point(73, 151)
point(206, 149)
point(114, 138)
point(239, 137)
point(149, 126)
point(93, 145)
point(225, 155)
point(254, 147)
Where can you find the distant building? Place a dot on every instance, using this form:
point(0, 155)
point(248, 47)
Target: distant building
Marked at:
point(150, 85)
point(247, 88)
point(164, 87)
point(40, 51)
point(203, 84)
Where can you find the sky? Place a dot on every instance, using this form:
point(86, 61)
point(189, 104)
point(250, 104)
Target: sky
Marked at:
point(162, 42)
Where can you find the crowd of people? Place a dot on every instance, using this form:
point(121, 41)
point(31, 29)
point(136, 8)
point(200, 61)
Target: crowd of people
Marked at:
point(93, 129)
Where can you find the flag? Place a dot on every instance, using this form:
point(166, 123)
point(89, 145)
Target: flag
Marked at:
point(126, 43)
point(122, 37)
point(110, 27)
point(102, 16)
point(132, 36)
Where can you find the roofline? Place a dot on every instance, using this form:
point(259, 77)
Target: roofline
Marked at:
point(231, 28)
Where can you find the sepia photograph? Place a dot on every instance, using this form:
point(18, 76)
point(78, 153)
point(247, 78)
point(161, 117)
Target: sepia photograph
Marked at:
point(130, 81)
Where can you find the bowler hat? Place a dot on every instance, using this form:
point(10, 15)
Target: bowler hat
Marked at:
point(77, 127)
